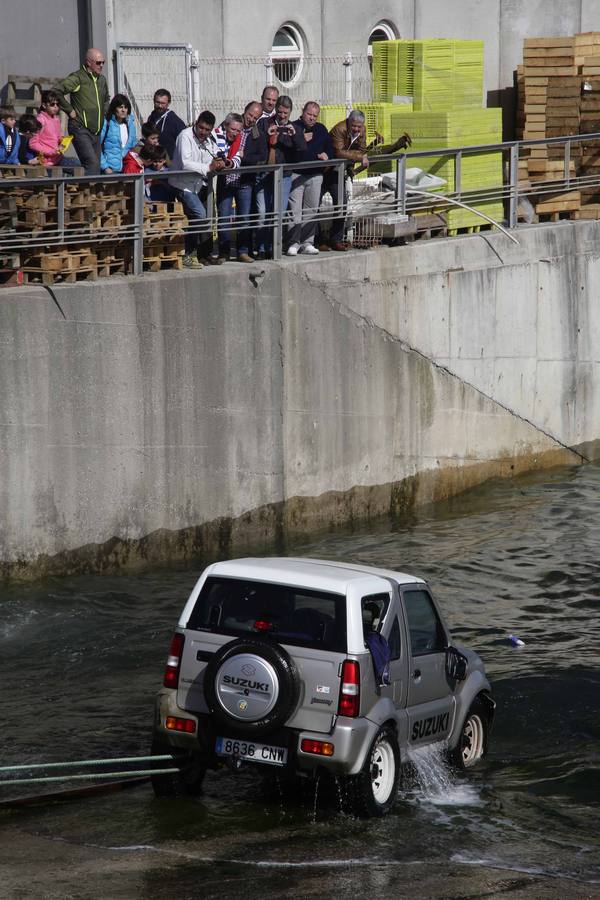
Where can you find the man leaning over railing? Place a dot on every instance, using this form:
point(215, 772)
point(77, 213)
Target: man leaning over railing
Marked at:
point(196, 152)
point(349, 140)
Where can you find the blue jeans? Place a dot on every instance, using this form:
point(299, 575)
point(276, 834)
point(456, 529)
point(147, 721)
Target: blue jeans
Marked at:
point(227, 194)
point(245, 231)
point(196, 213)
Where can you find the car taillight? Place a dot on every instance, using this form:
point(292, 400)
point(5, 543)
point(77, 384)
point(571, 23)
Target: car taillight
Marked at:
point(349, 704)
point(173, 661)
point(322, 748)
point(174, 723)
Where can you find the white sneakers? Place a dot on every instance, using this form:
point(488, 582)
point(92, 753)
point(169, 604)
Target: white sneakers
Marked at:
point(295, 249)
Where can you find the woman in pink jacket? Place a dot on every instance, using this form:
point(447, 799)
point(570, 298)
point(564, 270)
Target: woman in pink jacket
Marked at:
point(46, 142)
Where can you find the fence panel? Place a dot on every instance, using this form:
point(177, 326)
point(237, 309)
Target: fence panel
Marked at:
point(143, 68)
point(226, 84)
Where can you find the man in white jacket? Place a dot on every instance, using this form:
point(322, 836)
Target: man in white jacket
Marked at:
point(196, 152)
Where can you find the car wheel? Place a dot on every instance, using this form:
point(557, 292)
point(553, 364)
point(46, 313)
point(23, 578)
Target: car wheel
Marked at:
point(473, 741)
point(251, 687)
point(184, 781)
point(373, 791)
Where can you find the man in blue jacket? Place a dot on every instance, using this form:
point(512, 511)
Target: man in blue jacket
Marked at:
point(305, 194)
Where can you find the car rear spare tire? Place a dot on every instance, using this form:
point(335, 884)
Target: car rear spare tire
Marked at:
point(251, 687)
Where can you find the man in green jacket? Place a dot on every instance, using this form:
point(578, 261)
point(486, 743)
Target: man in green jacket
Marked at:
point(89, 96)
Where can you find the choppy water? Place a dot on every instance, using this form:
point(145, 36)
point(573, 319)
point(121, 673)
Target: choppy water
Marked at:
point(82, 658)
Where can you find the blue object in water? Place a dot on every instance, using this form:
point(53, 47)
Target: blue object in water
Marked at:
point(515, 641)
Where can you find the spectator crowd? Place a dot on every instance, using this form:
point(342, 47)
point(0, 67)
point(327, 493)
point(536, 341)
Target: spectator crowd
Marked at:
point(103, 134)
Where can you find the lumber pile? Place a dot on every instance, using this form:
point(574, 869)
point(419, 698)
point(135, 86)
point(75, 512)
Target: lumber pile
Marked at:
point(94, 238)
point(558, 94)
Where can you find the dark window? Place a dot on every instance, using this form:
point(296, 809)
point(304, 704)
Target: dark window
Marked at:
point(426, 631)
point(373, 610)
point(394, 640)
point(288, 615)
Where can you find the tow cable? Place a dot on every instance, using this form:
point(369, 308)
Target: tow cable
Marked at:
point(127, 777)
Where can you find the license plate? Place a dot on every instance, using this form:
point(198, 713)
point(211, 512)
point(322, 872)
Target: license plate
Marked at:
point(261, 753)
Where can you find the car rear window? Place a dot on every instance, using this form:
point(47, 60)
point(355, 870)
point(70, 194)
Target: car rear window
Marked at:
point(287, 615)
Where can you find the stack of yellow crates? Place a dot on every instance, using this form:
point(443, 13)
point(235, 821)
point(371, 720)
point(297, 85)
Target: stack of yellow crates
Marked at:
point(439, 74)
point(479, 171)
point(445, 79)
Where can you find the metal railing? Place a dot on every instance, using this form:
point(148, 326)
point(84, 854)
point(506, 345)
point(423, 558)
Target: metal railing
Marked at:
point(377, 203)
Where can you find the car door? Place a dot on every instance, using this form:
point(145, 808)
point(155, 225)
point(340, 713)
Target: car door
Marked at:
point(430, 701)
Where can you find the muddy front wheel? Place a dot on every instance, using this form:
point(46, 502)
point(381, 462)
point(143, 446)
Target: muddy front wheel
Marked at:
point(373, 791)
point(473, 741)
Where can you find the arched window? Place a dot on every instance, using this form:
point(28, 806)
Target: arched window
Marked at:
point(287, 53)
point(383, 31)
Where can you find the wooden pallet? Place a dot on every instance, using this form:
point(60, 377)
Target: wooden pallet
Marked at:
point(60, 266)
point(7, 171)
point(588, 211)
point(558, 203)
point(163, 256)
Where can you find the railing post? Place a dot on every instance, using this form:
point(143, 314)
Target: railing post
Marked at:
point(269, 70)
point(400, 191)
point(348, 80)
point(457, 174)
point(514, 186)
point(567, 163)
point(60, 203)
point(138, 221)
point(278, 213)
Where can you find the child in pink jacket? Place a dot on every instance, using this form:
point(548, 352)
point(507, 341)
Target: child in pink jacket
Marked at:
point(46, 142)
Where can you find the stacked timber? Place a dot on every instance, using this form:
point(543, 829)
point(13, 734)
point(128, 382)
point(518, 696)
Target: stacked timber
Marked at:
point(164, 225)
point(589, 123)
point(551, 87)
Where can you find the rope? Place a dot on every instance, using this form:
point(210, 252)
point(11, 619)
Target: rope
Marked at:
point(86, 762)
point(89, 776)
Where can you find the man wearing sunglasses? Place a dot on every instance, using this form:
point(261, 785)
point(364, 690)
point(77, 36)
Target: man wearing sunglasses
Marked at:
point(89, 99)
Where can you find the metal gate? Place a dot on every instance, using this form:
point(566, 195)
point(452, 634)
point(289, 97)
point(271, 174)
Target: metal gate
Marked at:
point(144, 68)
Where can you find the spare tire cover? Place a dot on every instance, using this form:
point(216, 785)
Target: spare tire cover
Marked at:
point(251, 686)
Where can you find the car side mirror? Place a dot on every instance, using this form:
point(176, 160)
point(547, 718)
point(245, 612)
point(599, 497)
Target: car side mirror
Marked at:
point(456, 664)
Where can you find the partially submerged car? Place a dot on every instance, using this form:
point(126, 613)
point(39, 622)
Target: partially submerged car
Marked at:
point(312, 666)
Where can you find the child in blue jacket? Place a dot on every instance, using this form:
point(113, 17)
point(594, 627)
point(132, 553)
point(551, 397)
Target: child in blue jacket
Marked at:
point(117, 136)
point(9, 137)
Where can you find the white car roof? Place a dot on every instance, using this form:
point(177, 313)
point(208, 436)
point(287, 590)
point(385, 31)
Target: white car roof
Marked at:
point(319, 573)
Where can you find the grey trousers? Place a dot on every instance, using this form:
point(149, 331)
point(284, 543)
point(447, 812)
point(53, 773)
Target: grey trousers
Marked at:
point(305, 198)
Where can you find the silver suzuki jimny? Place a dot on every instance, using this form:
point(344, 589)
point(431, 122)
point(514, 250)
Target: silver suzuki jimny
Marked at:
point(309, 666)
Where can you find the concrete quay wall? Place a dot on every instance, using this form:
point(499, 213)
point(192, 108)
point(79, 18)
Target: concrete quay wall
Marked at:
point(186, 414)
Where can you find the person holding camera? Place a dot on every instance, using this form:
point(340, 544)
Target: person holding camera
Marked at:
point(286, 143)
point(229, 137)
point(196, 153)
point(305, 196)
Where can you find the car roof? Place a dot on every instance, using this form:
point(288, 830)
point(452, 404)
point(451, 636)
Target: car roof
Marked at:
point(332, 574)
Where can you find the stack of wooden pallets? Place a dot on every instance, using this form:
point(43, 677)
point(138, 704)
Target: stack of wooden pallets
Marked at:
point(164, 225)
point(560, 83)
point(589, 123)
point(551, 89)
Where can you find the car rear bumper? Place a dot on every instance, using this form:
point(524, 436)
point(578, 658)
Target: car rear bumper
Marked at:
point(351, 739)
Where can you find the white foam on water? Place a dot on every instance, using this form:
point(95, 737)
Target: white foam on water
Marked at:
point(436, 781)
point(488, 863)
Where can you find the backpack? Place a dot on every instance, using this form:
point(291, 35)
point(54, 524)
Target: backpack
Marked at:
point(380, 654)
